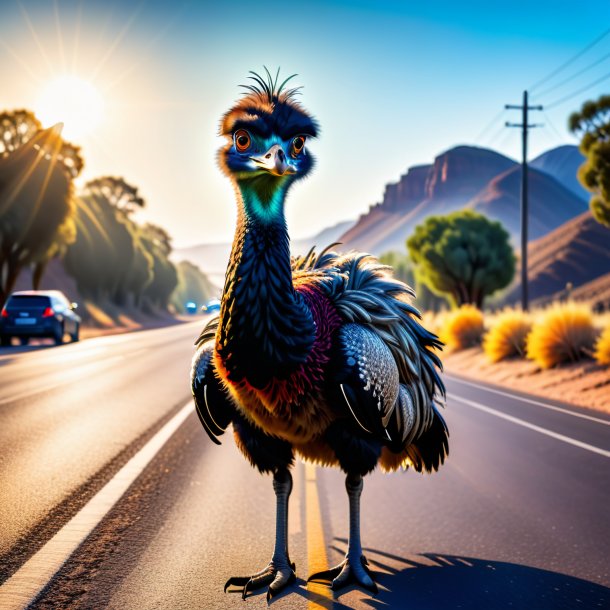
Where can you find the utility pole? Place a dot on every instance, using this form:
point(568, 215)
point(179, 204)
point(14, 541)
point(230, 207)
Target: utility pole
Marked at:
point(524, 125)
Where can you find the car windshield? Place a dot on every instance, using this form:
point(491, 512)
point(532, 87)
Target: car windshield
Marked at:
point(23, 300)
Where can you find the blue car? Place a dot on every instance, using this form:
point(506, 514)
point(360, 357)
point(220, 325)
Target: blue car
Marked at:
point(38, 313)
point(211, 306)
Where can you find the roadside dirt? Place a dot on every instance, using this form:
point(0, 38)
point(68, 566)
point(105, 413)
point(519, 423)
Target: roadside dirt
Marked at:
point(584, 384)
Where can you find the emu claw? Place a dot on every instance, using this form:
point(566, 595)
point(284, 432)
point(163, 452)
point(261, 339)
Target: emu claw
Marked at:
point(354, 571)
point(276, 576)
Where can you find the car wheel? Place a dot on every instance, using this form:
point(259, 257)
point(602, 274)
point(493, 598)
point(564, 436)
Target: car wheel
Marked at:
point(24, 340)
point(74, 336)
point(5, 340)
point(58, 336)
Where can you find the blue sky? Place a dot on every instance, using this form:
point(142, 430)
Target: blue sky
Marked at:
point(392, 84)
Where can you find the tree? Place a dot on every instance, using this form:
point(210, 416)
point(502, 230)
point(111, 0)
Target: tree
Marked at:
point(165, 275)
point(16, 128)
point(193, 285)
point(108, 260)
point(118, 192)
point(463, 256)
point(592, 125)
point(36, 196)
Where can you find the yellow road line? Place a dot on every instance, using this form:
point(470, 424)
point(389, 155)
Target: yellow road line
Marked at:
point(320, 594)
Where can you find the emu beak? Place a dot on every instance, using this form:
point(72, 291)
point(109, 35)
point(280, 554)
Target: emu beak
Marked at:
point(274, 161)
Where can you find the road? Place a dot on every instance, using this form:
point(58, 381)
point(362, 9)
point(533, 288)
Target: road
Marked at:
point(111, 496)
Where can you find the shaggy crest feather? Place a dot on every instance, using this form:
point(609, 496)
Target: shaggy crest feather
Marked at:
point(267, 87)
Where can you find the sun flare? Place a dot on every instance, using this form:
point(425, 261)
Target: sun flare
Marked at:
point(72, 101)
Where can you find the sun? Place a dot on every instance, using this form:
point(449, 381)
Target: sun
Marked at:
point(72, 101)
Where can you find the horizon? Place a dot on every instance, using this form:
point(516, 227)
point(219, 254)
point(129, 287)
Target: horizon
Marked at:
point(416, 81)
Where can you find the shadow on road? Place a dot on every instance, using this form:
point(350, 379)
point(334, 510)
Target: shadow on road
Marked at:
point(434, 581)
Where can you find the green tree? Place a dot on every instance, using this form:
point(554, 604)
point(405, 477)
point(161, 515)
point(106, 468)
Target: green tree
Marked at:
point(118, 192)
point(165, 276)
point(193, 285)
point(108, 260)
point(463, 256)
point(592, 125)
point(37, 168)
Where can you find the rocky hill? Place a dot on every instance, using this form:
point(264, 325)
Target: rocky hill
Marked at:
point(550, 203)
point(562, 163)
point(578, 253)
point(455, 177)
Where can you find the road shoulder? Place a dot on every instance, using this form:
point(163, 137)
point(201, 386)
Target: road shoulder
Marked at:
point(581, 384)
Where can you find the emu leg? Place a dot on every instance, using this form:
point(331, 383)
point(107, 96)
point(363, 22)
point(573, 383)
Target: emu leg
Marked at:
point(280, 570)
point(354, 568)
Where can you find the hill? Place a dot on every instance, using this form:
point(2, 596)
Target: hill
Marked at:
point(476, 178)
point(578, 252)
point(455, 177)
point(550, 203)
point(562, 163)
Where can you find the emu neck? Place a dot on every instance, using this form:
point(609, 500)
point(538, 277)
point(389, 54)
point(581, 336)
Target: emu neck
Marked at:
point(266, 331)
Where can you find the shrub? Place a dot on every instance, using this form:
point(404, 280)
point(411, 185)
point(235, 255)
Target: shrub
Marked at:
point(507, 336)
point(462, 327)
point(602, 347)
point(563, 333)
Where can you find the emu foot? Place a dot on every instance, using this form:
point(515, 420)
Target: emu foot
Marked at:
point(276, 575)
point(349, 571)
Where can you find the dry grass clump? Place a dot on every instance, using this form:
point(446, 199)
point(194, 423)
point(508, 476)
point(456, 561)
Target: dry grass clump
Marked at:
point(602, 347)
point(562, 333)
point(462, 327)
point(507, 335)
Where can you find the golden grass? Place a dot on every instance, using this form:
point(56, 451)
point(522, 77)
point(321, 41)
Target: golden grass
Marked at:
point(563, 333)
point(507, 335)
point(602, 347)
point(462, 327)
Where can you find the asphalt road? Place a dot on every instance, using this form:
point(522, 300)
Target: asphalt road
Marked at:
point(517, 517)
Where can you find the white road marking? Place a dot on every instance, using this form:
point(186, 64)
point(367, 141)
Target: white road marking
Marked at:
point(525, 424)
point(20, 590)
point(529, 400)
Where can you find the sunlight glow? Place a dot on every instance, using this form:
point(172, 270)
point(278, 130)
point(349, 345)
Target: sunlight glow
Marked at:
point(72, 101)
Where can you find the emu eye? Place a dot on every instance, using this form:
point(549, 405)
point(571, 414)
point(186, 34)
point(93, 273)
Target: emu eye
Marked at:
point(242, 140)
point(297, 145)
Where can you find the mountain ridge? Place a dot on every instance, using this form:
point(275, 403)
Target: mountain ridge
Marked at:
point(470, 177)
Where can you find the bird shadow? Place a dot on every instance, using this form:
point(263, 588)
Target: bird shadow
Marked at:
point(440, 581)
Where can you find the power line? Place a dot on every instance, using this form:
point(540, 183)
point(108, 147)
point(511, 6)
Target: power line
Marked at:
point(489, 125)
point(571, 78)
point(491, 139)
point(552, 126)
point(578, 92)
point(509, 135)
point(570, 61)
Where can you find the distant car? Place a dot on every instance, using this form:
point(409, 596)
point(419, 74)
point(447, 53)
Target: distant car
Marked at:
point(211, 306)
point(191, 307)
point(38, 313)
